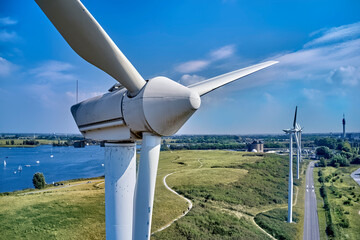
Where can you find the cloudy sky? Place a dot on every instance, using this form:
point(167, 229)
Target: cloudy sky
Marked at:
point(316, 42)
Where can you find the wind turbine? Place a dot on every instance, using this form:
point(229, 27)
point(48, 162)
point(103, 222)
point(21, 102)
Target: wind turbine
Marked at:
point(291, 131)
point(133, 109)
point(298, 131)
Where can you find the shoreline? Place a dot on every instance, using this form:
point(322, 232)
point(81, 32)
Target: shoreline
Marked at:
point(27, 190)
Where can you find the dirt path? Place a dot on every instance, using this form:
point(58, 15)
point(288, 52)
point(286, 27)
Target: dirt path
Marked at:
point(182, 215)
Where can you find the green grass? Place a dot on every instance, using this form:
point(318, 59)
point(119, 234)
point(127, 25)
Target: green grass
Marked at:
point(227, 189)
point(340, 189)
point(274, 222)
point(57, 214)
point(206, 223)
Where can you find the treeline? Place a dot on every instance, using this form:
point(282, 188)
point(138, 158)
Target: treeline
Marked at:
point(25, 142)
point(341, 156)
point(206, 139)
point(203, 146)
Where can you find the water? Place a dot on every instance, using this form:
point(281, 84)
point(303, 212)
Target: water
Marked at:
point(66, 163)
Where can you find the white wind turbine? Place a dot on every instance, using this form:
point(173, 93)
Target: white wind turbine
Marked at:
point(291, 132)
point(133, 109)
point(298, 131)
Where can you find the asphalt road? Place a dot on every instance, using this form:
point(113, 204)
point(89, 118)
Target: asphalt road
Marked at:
point(311, 221)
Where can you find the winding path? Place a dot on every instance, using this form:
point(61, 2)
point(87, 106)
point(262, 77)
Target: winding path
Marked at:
point(182, 215)
point(186, 199)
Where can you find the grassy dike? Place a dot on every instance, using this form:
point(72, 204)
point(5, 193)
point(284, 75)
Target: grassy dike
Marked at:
point(228, 189)
point(340, 220)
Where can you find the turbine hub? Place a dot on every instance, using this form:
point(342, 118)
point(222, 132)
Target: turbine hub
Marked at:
point(162, 107)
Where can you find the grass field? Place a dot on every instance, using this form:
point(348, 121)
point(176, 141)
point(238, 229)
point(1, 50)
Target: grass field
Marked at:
point(344, 200)
point(228, 189)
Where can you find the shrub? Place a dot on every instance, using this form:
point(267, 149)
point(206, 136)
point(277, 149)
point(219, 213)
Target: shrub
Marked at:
point(356, 160)
point(39, 180)
point(330, 230)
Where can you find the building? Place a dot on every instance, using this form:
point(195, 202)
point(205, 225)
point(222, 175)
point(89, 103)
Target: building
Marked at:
point(256, 146)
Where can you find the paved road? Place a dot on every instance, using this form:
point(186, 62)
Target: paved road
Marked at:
point(311, 221)
point(356, 176)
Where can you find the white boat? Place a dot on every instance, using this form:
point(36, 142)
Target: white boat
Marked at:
point(37, 162)
point(4, 163)
point(20, 168)
point(51, 156)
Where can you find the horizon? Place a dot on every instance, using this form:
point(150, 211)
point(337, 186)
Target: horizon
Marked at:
point(319, 68)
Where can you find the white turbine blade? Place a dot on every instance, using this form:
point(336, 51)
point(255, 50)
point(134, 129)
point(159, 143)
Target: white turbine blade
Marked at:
point(87, 38)
point(145, 185)
point(211, 84)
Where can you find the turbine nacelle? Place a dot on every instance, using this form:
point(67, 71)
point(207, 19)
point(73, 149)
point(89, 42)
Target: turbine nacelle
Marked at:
point(161, 107)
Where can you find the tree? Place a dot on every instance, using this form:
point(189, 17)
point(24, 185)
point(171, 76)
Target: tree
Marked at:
point(339, 160)
point(344, 146)
point(326, 142)
point(39, 180)
point(324, 152)
point(322, 162)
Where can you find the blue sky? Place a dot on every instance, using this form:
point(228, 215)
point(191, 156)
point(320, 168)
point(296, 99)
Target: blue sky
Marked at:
point(316, 42)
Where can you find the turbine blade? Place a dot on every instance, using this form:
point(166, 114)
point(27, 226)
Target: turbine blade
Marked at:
point(89, 40)
point(145, 185)
point(211, 84)
point(294, 125)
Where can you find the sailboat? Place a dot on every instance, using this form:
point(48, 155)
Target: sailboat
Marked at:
point(19, 168)
point(51, 152)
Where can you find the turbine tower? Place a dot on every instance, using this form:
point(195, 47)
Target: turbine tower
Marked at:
point(132, 110)
point(291, 132)
point(343, 122)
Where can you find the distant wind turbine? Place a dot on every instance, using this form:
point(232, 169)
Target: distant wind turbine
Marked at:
point(291, 132)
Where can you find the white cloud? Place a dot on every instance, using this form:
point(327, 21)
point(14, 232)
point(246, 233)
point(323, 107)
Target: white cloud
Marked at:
point(347, 75)
point(188, 79)
point(53, 71)
point(198, 65)
point(223, 52)
point(6, 36)
point(6, 67)
point(7, 21)
point(335, 34)
point(192, 66)
point(310, 93)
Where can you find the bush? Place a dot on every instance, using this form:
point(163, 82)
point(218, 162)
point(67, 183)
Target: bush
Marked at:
point(39, 180)
point(356, 160)
point(330, 230)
